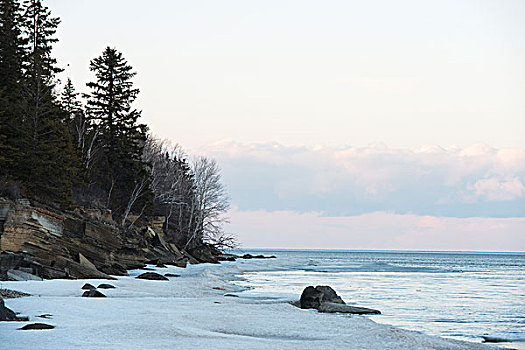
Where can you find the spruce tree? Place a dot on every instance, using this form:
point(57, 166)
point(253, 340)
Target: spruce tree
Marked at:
point(69, 100)
point(121, 136)
point(47, 167)
point(12, 46)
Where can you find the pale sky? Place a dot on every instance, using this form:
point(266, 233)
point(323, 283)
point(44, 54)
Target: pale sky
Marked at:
point(338, 110)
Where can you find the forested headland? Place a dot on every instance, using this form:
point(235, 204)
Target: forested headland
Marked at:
point(63, 149)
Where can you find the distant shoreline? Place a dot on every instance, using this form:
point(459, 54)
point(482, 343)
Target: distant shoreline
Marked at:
point(375, 251)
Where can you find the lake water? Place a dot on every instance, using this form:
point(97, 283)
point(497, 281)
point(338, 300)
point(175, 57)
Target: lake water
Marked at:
point(456, 295)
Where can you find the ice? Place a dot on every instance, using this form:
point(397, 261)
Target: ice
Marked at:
point(188, 313)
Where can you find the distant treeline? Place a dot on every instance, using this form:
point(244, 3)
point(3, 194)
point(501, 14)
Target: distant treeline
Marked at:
point(62, 148)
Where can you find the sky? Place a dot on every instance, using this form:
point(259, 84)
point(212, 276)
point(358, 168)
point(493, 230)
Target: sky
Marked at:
point(337, 124)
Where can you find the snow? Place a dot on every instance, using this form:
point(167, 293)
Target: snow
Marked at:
point(188, 313)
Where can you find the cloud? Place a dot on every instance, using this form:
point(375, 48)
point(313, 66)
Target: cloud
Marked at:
point(494, 189)
point(478, 180)
point(377, 230)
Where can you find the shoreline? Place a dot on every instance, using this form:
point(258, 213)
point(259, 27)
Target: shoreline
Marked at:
point(192, 310)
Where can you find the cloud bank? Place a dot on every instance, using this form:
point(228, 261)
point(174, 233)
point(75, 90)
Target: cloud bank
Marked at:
point(474, 181)
point(378, 230)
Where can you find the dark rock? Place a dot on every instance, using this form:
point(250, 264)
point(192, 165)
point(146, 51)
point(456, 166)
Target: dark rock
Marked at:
point(325, 299)
point(329, 295)
point(45, 316)
point(231, 295)
point(152, 276)
point(296, 303)
point(206, 253)
point(171, 275)
point(180, 263)
point(328, 307)
point(88, 286)
point(495, 339)
point(36, 326)
point(249, 256)
point(114, 269)
point(19, 275)
point(226, 258)
point(11, 294)
point(6, 314)
point(218, 288)
point(311, 298)
point(161, 265)
point(147, 269)
point(153, 261)
point(106, 286)
point(77, 270)
point(93, 293)
point(9, 261)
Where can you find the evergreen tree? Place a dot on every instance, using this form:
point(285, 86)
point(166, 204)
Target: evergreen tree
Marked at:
point(122, 138)
point(47, 165)
point(69, 100)
point(11, 59)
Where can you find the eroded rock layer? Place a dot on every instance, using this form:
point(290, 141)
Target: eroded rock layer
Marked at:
point(84, 243)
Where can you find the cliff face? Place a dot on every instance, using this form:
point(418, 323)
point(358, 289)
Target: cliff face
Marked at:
point(85, 243)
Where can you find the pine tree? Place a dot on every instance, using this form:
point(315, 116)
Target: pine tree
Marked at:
point(121, 136)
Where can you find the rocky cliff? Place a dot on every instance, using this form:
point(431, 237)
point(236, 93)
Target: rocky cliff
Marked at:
point(83, 243)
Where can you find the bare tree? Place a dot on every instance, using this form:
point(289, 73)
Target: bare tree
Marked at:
point(192, 198)
point(210, 204)
point(171, 182)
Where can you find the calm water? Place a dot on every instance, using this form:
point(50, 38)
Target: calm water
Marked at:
point(455, 295)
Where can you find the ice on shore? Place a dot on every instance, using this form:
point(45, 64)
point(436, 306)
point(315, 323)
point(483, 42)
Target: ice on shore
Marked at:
point(188, 313)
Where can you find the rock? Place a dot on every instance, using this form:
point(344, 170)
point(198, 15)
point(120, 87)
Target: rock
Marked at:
point(11, 294)
point(231, 295)
point(84, 261)
point(45, 316)
point(226, 258)
point(18, 275)
point(161, 265)
point(179, 263)
point(83, 243)
point(35, 326)
point(497, 339)
point(325, 299)
point(329, 295)
point(249, 256)
point(311, 298)
point(106, 286)
point(77, 270)
point(206, 253)
point(6, 314)
point(152, 276)
point(218, 288)
point(328, 307)
point(93, 293)
point(114, 269)
point(171, 275)
point(296, 303)
point(88, 286)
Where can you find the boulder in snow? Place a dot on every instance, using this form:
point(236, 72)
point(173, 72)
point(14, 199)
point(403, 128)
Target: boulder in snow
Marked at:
point(152, 276)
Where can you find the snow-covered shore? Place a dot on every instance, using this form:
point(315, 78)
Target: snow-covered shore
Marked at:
point(190, 312)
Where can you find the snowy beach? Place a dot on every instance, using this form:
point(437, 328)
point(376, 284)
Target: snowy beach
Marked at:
point(191, 311)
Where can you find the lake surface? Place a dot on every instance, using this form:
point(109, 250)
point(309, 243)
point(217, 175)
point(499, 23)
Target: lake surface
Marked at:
point(455, 295)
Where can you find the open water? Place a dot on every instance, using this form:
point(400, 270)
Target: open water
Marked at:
point(451, 294)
